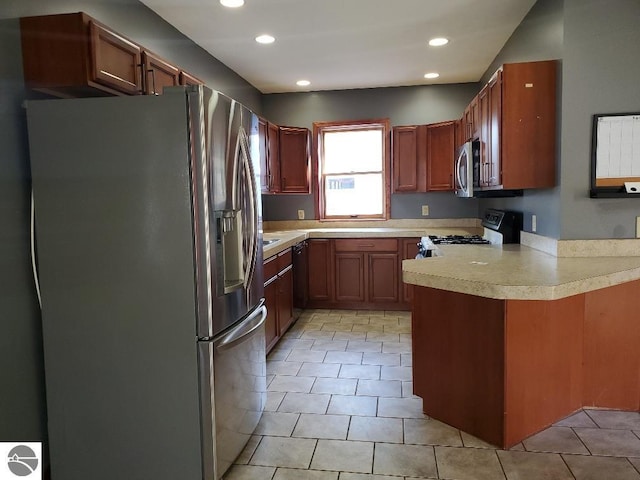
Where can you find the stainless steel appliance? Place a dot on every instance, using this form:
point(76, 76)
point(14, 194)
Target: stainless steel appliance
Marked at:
point(148, 233)
point(500, 227)
point(467, 169)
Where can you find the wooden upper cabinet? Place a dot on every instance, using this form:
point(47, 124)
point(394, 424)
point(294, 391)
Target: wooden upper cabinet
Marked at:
point(158, 74)
point(494, 124)
point(263, 149)
point(115, 60)
point(188, 79)
point(528, 125)
point(409, 158)
point(517, 127)
point(273, 158)
point(440, 156)
point(72, 55)
point(294, 159)
point(471, 120)
point(484, 136)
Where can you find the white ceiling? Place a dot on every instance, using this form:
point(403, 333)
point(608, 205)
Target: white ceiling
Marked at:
point(342, 44)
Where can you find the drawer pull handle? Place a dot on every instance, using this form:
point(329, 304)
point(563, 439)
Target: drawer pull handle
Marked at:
point(366, 245)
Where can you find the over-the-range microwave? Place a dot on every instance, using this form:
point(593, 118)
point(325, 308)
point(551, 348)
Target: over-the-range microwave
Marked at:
point(467, 169)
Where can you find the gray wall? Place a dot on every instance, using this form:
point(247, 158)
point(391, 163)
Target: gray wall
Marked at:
point(601, 71)
point(22, 396)
point(538, 37)
point(598, 42)
point(403, 106)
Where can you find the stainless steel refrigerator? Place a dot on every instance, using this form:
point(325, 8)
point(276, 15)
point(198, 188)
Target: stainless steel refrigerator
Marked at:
point(149, 258)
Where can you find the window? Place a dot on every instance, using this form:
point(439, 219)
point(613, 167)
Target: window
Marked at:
point(351, 169)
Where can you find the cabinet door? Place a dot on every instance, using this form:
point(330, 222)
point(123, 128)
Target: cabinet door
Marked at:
point(320, 271)
point(294, 160)
point(409, 251)
point(485, 139)
point(285, 299)
point(263, 145)
point(382, 273)
point(409, 144)
point(495, 125)
point(115, 60)
point(271, 324)
point(158, 74)
point(440, 156)
point(273, 158)
point(350, 284)
point(188, 79)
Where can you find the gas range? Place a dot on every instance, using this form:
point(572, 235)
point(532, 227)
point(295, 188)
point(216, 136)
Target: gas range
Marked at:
point(458, 240)
point(499, 227)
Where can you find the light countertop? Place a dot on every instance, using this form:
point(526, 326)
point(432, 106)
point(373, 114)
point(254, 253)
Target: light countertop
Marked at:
point(287, 238)
point(517, 272)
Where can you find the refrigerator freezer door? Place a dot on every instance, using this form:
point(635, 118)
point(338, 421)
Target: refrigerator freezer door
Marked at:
point(240, 386)
point(235, 212)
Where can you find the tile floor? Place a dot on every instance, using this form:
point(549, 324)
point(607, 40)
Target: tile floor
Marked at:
point(340, 407)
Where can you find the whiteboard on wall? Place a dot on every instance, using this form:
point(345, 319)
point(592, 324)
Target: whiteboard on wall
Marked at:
point(615, 152)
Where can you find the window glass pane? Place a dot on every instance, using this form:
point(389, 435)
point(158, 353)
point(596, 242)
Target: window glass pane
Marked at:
point(352, 151)
point(353, 194)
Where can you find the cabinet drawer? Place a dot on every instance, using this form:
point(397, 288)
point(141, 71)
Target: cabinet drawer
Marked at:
point(366, 245)
point(284, 259)
point(270, 268)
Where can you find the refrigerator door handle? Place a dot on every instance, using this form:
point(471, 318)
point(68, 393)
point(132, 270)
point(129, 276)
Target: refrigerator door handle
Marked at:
point(249, 325)
point(253, 212)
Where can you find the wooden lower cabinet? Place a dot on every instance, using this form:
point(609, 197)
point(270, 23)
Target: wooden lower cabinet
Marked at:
point(521, 365)
point(271, 302)
point(382, 275)
point(320, 271)
point(285, 299)
point(363, 273)
point(409, 251)
point(350, 286)
point(278, 294)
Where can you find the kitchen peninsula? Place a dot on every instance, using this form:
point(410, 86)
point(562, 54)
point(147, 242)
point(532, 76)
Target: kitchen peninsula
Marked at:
point(508, 339)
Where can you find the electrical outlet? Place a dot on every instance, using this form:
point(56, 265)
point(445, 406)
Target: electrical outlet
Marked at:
point(300, 214)
point(637, 227)
point(425, 210)
point(534, 223)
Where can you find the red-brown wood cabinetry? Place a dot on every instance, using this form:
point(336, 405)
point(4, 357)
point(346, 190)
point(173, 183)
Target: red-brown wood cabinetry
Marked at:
point(278, 292)
point(409, 158)
point(440, 156)
point(158, 74)
point(514, 117)
point(423, 157)
point(74, 55)
point(409, 250)
point(355, 273)
point(320, 256)
point(294, 159)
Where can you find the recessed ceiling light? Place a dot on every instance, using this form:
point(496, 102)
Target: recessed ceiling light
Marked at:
point(265, 39)
point(303, 83)
point(232, 3)
point(438, 41)
point(431, 75)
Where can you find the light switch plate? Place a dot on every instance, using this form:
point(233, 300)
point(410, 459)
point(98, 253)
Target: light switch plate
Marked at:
point(637, 227)
point(425, 210)
point(300, 214)
point(534, 223)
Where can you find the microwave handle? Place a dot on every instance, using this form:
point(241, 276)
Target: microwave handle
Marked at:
point(458, 180)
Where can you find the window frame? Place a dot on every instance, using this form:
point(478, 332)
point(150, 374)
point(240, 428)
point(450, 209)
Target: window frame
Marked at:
point(319, 128)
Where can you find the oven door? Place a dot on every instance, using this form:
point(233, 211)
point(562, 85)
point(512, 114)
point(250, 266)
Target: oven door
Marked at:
point(464, 171)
